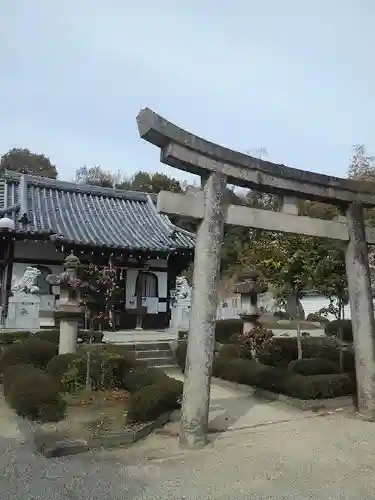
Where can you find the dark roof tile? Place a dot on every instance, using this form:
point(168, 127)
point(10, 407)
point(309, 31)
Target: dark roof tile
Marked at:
point(90, 215)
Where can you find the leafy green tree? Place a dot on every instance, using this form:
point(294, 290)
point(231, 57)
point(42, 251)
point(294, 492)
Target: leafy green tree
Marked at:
point(24, 161)
point(327, 262)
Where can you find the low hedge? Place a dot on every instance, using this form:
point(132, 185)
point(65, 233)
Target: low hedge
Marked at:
point(283, 380)
point(108, 366)
point(52, 336)
point(280, 351)
point(340, 328)
point(119, 357)
point(226, 328)
point(32, 351)
point(248, 372)
point(34, 394)
point(236, 351)
point(314, 366)
point(85, 336)
point(318, 386)
point(8, 338)
point(151, 401)
point(142, 376)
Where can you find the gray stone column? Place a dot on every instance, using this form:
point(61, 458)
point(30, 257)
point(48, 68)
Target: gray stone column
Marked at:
point(68, 334)
point(201, 338)
point(70, 311)
point(362, 310)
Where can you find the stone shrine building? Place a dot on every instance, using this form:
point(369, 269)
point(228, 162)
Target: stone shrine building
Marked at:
point(43, 220)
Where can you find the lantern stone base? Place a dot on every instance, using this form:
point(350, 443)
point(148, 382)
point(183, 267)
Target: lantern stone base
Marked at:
point(68, 315)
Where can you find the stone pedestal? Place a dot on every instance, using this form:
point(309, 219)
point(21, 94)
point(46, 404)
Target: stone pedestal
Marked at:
point(68, 316)
point(23, 312)
point(250, 321)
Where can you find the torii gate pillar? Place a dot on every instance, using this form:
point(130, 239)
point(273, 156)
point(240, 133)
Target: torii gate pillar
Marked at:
point(362, 310)
point(201, 339)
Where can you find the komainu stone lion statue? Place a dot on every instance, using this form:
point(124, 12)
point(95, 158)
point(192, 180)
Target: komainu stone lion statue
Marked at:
point(27, 284)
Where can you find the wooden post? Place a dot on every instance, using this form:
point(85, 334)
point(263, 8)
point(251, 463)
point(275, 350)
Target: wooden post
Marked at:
point(362, 310)
point(201, 338)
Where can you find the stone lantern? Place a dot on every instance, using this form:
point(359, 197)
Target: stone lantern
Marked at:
point(249, 290)
point(69, 311)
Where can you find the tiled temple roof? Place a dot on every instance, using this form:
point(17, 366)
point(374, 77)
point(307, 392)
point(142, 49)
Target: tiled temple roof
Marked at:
point(89, 215)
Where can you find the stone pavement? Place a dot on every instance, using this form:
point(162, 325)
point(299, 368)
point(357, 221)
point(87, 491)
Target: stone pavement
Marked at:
point(8, 421)
point(235, 408)
point(289, 455)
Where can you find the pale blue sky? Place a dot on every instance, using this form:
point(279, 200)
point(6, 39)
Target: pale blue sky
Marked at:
point(295, 77)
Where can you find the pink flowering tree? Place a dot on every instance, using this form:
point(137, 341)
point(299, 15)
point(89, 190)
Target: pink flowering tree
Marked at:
point(100, 293)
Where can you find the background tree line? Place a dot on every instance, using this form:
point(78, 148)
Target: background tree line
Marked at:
point(289, 262)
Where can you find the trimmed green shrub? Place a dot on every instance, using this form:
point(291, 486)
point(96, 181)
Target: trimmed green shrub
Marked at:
point(107, 367)
point(283, 381)
point(236, 351)
point(115, 362)
point(142, 376)
point(12, 373)
point(332, 329)
point(317, 318)
point(61, 365)
point(151, 401)
point(348, 362)
point(32, 352)
point(232, 369)
point(52, 336)
point(313, 366)
point(34, 394)
point(180, 355)
point(8, 338)
point(251, 373)
point(69, 371)
point(318, 386)
point(313, 349)
point(235, 338)
point(278, 351)
point(225, 328)
point(126, 358)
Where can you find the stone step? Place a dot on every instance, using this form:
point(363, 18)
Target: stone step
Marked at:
point(168, 362)
point(148, 346)
point(154, 353)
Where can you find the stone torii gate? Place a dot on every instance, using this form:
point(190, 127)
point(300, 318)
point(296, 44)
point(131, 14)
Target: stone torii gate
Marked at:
point(218, 166)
